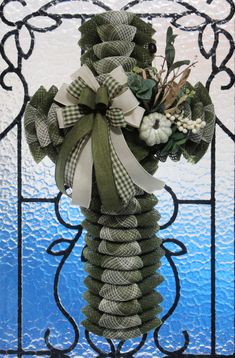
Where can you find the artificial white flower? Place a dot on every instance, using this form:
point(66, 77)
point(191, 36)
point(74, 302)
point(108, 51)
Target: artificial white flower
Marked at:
point(155, 129)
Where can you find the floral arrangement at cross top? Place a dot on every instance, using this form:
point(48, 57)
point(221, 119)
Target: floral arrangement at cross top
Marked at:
point(179, 118)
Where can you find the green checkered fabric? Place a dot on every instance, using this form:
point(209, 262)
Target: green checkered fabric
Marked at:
point(134, 276)
point(72, 161)
point(41, 127)
point(114, 36)
point(122, 334)
point(56, 134)
point(116, 117)
point(142, 56)
point(118, 321)
point(31, 115)
point(113, 48)
point(122, 252)
point(132, 207)
point(126, 263)
point(210, 123)
point(119, 308)
point(120, 277)
point(123, 249)
point(120, 234)
point(114, 17)
point(124, 184)
point(130, 249)
point(109, 321)
point(125, 221)
point(108, 64)
point(110, 32)
point(114, 277)
point(116, 244)
point(72, 114)
point(123, 292)
point(128, 221)
point(114, 87)
point(116, 287)
point(120, 293)
point(205, 134)
point(76, 87)
point(116, 290)
point(113, 262)
point(42, 132)
point(145, 303)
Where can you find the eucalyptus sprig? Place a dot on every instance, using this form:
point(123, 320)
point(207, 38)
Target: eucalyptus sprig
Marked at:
point(168, 88)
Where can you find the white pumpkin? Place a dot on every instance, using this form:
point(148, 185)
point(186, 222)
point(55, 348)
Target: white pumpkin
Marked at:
point(155, 129)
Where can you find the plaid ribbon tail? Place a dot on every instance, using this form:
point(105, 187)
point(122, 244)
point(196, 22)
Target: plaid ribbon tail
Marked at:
point(123, 182)
point(69, 115)
point(137, 173)
point(116, 117)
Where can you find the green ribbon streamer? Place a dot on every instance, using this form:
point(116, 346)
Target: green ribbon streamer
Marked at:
point(103, 165)
point(93, 123)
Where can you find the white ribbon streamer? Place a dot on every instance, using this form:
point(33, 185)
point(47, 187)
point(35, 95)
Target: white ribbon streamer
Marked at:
point(126, 101)
point(63, 97)
point(82, 180)
point(134, 117)
point(119, 75)
point(60, 117)
point(87, 75)
point(137, 173)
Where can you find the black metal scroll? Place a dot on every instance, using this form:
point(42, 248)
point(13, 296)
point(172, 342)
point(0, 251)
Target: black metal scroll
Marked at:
point(14, 29)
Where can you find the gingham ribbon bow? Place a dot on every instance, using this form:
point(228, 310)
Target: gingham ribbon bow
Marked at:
point(96, 114)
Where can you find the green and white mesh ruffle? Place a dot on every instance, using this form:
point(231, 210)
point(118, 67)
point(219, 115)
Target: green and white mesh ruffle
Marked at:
point(201, 107)
point(122, 256)
point(122, 251)
point(116, 38)
point(41, 125)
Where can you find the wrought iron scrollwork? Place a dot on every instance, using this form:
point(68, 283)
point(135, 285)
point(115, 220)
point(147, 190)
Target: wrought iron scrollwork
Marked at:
point(14, 66)
point(169, 254)
point(51, 250)
point(116, 351)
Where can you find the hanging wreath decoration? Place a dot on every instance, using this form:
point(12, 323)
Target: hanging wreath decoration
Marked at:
point(106, 132)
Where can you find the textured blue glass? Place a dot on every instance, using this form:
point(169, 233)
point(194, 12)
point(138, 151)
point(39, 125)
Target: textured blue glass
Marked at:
point(55, 56)
point(8, 244)
point(193, 310)
point(38, 272)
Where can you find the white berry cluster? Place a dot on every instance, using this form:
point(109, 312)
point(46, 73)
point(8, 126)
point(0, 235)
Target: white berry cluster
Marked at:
point(185, 124)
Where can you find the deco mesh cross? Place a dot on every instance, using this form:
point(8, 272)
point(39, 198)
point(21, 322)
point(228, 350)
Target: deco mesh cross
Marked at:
point(106, 132)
